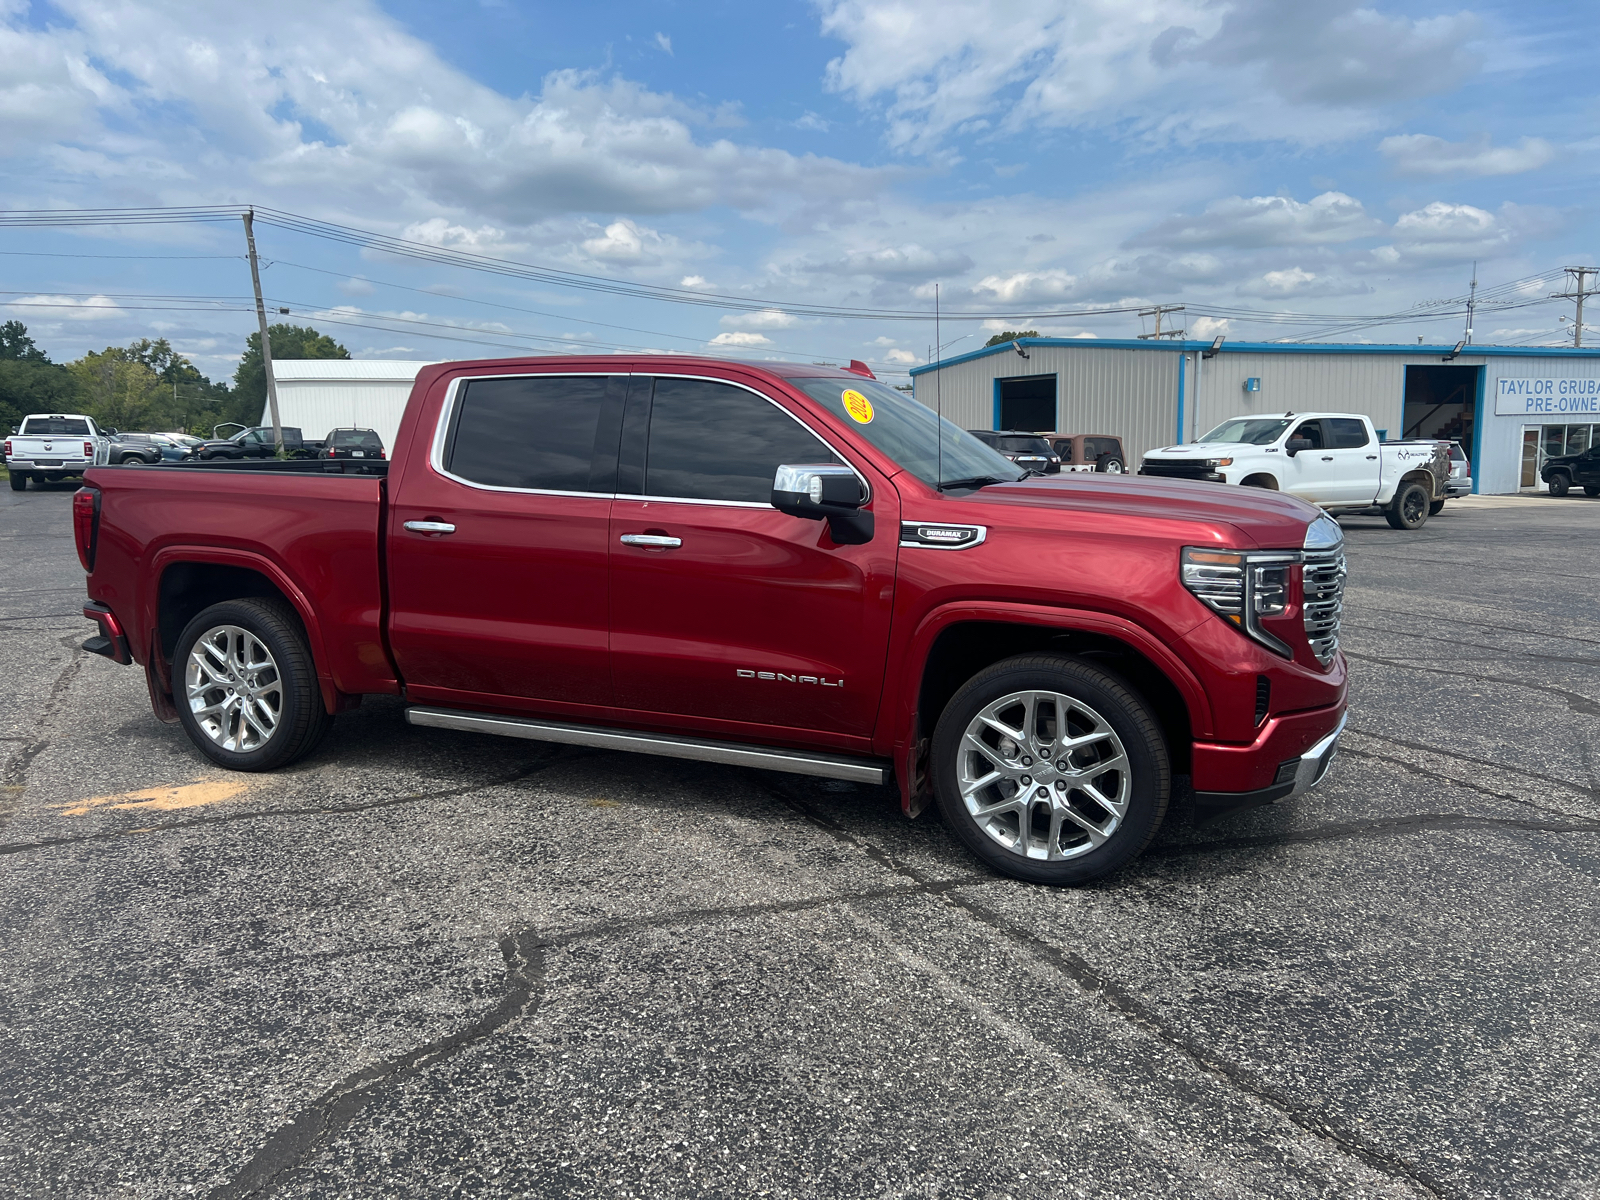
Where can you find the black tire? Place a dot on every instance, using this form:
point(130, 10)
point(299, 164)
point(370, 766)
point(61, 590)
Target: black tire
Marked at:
point(1560, 483)
point(19, 481)
point(1436, 508)
point(1111, 466)
point(1591, 489)
point(1409, 508)
point(1108, 704)
point(301, 719)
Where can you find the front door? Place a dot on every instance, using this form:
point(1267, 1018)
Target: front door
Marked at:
point(728, 616)
point(1312, 474)
point(497, 547)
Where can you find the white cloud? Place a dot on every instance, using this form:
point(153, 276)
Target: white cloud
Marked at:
point(811, 121)
point(909, 263)
point(355, 287)
point(1209, 327)
point(901, 358)
point(664, 42)
point(1022, 287)
point(740, 338)
point(67, 308)
point(694, 281)
point(767, 318)
point(1164, 66)
point(1268, 221)
point(1422, 154)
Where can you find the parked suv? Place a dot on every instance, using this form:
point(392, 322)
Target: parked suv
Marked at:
point(135, 449)
point(1089, 452)
point(352, 443)
point(1564, 470)
point(1028, 450)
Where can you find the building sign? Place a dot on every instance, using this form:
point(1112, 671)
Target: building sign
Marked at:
point(1548, 398)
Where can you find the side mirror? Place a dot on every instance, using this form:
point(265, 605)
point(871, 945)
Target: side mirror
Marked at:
point(824, 491)
point(1295, 445)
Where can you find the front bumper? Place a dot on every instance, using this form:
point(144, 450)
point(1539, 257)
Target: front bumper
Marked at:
point(1291, 775)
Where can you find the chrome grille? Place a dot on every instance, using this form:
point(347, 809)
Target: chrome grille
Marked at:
point(1324, 601)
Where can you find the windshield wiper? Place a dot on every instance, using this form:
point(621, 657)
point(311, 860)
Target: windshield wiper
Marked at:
point(975, 481)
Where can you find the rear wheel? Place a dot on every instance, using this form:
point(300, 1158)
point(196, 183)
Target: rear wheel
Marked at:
point(1591, 489)
point(247, 690)
point(1050, 769)
point(19, 481)
point(1111, 466)
point(1435, 508)
point(1560, 483)
point(1409, 509)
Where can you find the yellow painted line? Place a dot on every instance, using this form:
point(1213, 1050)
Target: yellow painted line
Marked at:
point(186, 795)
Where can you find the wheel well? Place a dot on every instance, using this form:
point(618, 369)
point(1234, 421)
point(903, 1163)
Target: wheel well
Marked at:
point(962, 650)
point(1260, 481)
point(189, 588)
point(1425, 478)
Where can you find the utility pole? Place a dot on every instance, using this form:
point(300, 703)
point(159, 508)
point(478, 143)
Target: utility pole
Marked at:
point(1580, 276)
point(1472, 302)
point(1157, 312)
point(261, 318)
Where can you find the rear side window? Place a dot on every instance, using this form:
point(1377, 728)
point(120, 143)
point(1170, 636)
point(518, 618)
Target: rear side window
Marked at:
point(714, 441)
point(1345, 434)
point(55, 427)
point(1094, 448)
point(536, 433)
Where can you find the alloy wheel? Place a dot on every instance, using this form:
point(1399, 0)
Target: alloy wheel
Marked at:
point(234, 688)
point(1043, 775)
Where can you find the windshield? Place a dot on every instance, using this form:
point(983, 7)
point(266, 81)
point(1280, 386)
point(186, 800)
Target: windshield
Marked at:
point(905, 431)
point(55, 427)
point(1258, 431)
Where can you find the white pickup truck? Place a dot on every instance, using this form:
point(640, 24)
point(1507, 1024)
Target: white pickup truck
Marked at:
point(1331, 459)
point(50, 447)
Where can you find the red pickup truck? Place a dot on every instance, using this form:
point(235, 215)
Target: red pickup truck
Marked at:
point(783, 566)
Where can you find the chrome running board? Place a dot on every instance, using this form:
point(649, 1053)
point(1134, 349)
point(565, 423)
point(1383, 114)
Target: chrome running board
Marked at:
point(766, 758)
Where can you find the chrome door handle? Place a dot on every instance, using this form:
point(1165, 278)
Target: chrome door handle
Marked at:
point(653, 540)
point(430, 527)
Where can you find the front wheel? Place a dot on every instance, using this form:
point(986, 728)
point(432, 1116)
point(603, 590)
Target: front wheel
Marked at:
point(1409, 509)
point(1591, 489)
point(1050, 769)
point(247, 692)
point(1560, 484)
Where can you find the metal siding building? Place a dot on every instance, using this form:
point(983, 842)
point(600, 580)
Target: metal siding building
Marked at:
point(317, 395)
point(1153, 394)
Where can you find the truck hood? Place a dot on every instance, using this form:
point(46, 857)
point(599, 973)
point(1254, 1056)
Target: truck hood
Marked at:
point(1209, 449)
point(1240, 518)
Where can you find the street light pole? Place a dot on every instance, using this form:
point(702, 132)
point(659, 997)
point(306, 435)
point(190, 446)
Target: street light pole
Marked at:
point(266, 339)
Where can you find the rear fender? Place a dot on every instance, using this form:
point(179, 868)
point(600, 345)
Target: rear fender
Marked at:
point(172, 555)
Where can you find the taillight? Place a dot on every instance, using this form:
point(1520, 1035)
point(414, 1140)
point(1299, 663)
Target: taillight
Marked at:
point(86, 523)
point(8, 447)
point(88, 449)
point(381, 454)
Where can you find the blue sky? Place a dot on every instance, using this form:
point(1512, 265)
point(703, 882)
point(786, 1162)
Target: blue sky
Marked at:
point(1283, 169)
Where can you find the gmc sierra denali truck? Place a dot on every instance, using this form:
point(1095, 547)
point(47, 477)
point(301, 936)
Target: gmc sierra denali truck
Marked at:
point(789, 567)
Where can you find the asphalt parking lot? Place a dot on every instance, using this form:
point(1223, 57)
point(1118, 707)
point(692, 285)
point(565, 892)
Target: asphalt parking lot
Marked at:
point(424, 963)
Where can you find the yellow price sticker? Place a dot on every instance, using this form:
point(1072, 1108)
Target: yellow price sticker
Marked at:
point(858, 406)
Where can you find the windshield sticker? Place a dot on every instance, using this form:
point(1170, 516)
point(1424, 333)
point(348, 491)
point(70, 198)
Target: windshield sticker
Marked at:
point(858, 406)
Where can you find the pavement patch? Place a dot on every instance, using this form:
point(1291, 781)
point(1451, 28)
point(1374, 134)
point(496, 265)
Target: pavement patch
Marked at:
point(165, 797)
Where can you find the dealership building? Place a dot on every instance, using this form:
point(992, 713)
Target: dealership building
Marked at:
point(1510, 407)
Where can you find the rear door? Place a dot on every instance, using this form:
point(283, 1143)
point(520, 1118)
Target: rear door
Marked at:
point(1354, 452)
point(727, 615)
point(498, 545)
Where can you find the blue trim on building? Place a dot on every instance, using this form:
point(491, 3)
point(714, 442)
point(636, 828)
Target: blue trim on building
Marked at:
point(1274, 348)
point(995, 423)
point(1183, 362)
point(1477, 433)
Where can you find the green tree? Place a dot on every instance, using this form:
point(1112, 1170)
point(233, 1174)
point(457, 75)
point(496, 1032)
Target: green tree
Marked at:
point(29, 381)
point(249, 395)
point(118, 390)
point(1010, 335)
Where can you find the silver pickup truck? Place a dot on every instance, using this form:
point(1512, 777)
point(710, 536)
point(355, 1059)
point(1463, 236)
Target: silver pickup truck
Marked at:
point(50, 447)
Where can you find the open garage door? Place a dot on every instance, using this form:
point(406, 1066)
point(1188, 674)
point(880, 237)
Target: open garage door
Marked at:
point(1441, 402)
point(1028, 402)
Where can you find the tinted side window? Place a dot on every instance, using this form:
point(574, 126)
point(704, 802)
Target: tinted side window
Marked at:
point(1093, 448)
point(527, 433)
point(1312, 432)
point(714, 441)
point(1346, 434)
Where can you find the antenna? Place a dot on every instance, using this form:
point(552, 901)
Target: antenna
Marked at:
point(938, 398)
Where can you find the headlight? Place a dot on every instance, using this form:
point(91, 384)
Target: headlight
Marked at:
point(1242, 588)
point(1214, 463)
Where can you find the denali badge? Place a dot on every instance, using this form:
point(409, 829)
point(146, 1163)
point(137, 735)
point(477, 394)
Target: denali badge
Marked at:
point(784, 677)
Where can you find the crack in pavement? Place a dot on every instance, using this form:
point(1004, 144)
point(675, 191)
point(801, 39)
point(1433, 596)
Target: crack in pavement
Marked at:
point(318, 1122)
point(1583, 789)
point(1541, 633)
point(1440, 777)
point(15, 777)
point(1125, 1004)
point(1387, 827)
point(555, 757)
point(1457, 643)
point(1577, 703)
